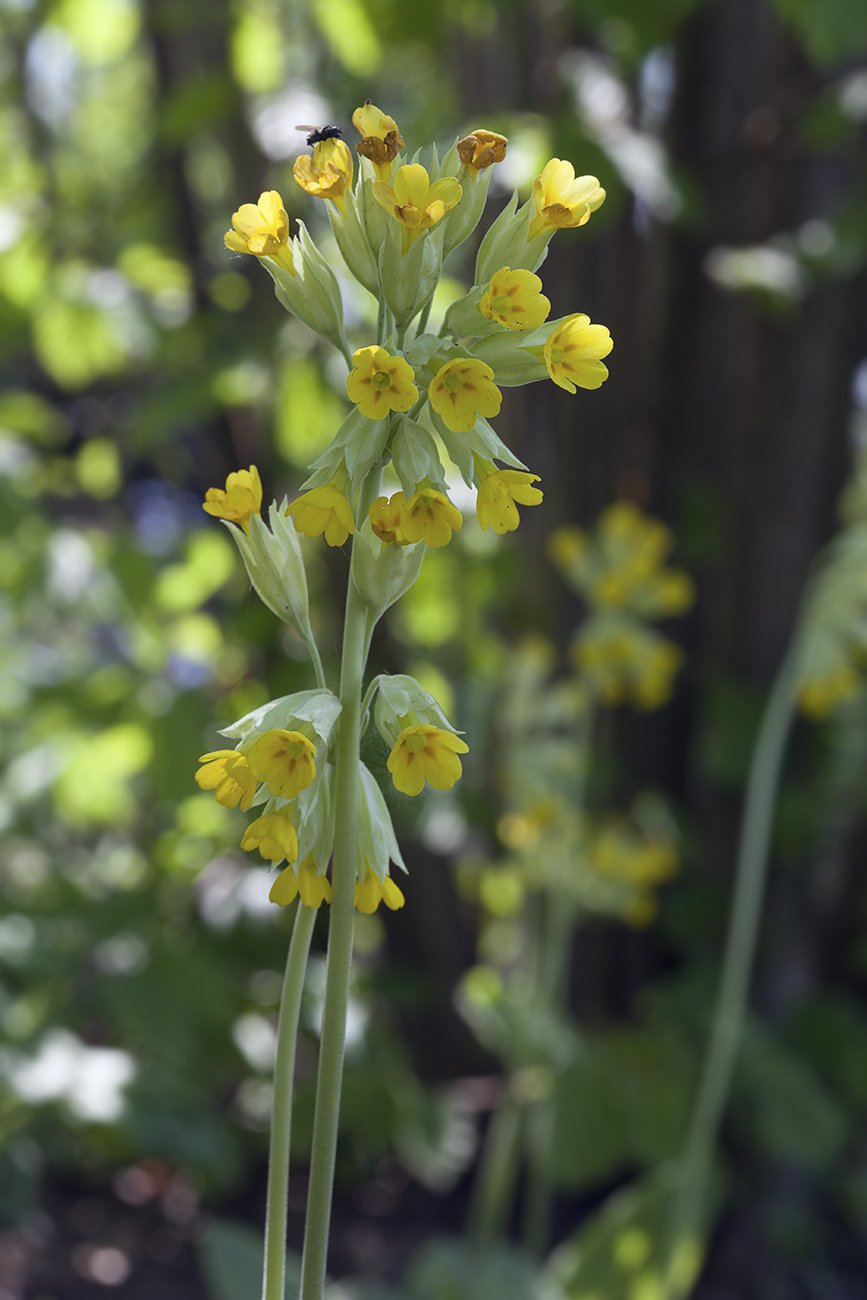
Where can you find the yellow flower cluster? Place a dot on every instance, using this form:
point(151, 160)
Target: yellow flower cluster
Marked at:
point(625, 661)
point(623, 857)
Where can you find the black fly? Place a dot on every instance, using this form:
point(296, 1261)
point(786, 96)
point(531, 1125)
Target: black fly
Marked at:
point(316, 134)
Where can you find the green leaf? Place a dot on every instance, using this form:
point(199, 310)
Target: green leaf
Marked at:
point(831, 31)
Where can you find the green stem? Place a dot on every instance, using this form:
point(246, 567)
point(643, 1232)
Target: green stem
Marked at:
point(340, 933)
point(274, 1282)
point(317, 662)
point(495, 1186)
point(730, 1012)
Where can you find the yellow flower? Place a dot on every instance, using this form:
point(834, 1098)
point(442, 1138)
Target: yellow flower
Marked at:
point(241, 499)
point(429, 515)
point(315, 889)
point(562, 199)
point(382, 140)
point(323, 510)
point(262, 230)
point(573, 353)
point(514, 299)
point(379, 383)
point(228, 774)
point(567, 544)
point(274, 836)
point(328, 174)
point(498, 493)
point(285, 760)
point(385, 519)
point(481, 148)
point(463, 389)
point(369, 893)
point(819, 694)
point(426, 753)
point(414, 202)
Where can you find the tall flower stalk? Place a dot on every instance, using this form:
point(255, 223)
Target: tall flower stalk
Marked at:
point(322, 817)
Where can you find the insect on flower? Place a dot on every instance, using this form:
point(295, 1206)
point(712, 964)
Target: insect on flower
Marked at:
point(316, 134)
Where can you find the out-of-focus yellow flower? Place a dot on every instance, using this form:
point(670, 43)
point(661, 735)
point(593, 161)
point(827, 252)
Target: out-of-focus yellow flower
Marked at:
point(623, 660)
point(500, 494)
point(262, 230)
point(274, 836)
point(429, 516)
point(426, 753)
point(382, 140)
point(379, 383)
point(562, 199)
point(241, 499)
point(820, 693)
point(414, 202)
point(567, 544)
point(515, 299)
point(228, 774)
point(315, 889)
point(385, 519)
point(480, 149)
point(323, 510)
point(369, 893)
point(328, 174)
point(573, 353)
point(285, 760)
point(463, 389)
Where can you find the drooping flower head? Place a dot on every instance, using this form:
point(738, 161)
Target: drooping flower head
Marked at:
point(369, 893)
point(463, 389)
point(228, 774)
point(385, 515)
point(414, 202)
point(515, 299)
point(241, 499)
point(323, 510)
point(285, 760)
point(429, 516)
point(574, 352)
point(328, 174)
point(274, 836)
point(499, 496)
point(381, 138)
point(314, 888)
point(262, 229)
point(379, 383)
point(426, 753)
point(480, 149)
point(563, 200)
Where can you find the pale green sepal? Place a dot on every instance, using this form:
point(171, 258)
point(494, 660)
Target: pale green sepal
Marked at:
point(275, 566)
point(428, 353)
point(313, 293)
point(376, 838)
point(383, 573)
point(506, 242)
point(508, 356)
point(313, 818)
point(359, 442)
point(481, 439)
point(450, 165)
point(399, 696)
point(372, 216)
point(351, 237)
point(464, 218)
point(415, 456)
point(306, 711)
point(465, 320)
point(408, 279)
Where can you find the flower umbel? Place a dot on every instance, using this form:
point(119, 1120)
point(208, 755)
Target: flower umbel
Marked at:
point(414, 202)
point(241, 499)
point(428, 516)
point(323, 510)
point(574, 352)
point(228, 774)
point(262, 230)
point(515, 299)
point(369, 893)
point(480, 149)
point(463, 389)
point(328, 174)
point(426, 753)
point(274, 836)
point(379, 383)
point(285, 760)
point(499, 496)
point(562, 199)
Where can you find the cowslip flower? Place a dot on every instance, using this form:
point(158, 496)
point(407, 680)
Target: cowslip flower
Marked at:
point(500, 494)
point(323, 510)
point(382, 140)
point(385, 519)
point(426, 753)
point(315, 889)
point(369, 893)
point(263, 230)
point(480, 149)
point(429, 516)
point(228, 774)
point(463, 389)
point(274, 836)
point(328, 174)
point(285, 760)
point(414, 202)
point(241, 499)
point(563, 200)
point(515, 299)
point(574, 352)
point(379, 383)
